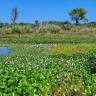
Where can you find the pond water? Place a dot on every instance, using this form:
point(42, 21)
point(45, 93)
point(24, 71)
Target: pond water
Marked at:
point(4, 50)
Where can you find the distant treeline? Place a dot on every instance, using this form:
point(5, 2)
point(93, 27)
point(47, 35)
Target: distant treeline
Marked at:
point(49, 22)
point(77, 15)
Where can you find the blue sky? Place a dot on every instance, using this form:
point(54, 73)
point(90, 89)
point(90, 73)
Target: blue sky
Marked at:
point(30, 10)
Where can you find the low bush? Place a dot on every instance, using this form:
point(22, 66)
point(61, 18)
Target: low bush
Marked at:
point(91, 64)
point(16, 30)
point(50, 28)
point(66, 26)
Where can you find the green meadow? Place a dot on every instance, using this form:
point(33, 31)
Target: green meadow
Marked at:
point(39, 64)
point(49, 56)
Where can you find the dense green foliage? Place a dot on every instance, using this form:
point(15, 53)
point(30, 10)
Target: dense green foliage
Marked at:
point(39, 65)
point(77, 14)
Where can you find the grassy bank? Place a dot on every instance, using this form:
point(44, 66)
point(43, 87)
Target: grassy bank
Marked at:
point(45, 38)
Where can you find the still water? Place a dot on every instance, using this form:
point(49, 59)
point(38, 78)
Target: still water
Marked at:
point(4, 50)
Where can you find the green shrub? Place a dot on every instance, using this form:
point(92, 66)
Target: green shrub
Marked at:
point(27, 29)
point(50, 28)
point(67, 26)
point(91, 65)
point(16, 30)
point(8, 30)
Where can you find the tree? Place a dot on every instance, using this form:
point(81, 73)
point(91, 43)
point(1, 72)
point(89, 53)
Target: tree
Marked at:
point(77, 14)
point(36, 22)
point(85, 20)
point(37, 26)
point(14, 15)
point(92, 23)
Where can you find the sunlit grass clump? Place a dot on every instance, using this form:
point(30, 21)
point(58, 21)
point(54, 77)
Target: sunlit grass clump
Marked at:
point(71, 49)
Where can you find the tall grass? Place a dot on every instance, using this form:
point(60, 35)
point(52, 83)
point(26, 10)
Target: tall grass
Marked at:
point(72, 49)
